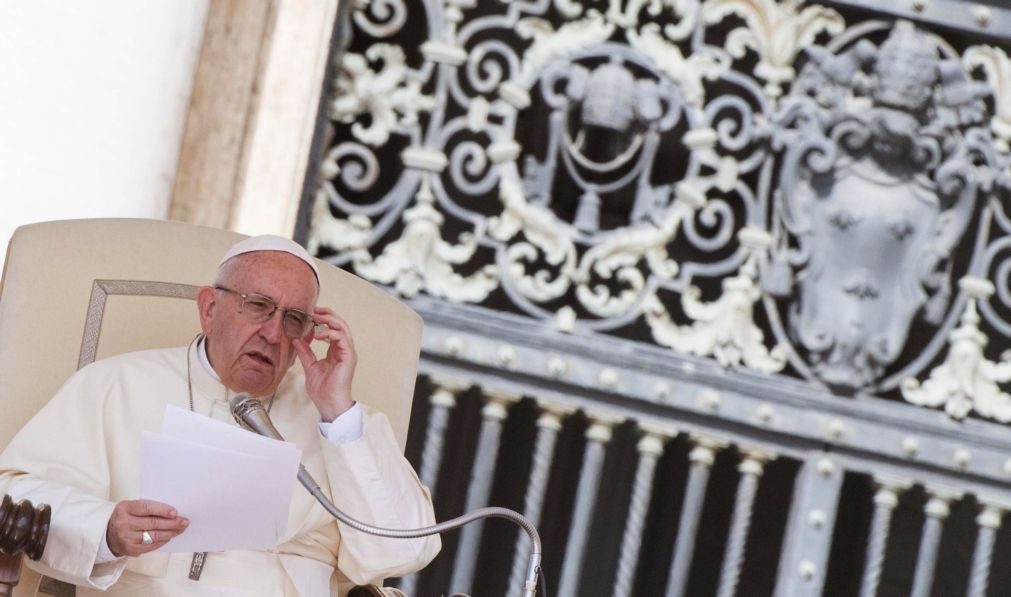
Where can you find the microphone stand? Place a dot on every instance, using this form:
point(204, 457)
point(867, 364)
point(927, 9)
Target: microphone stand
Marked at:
point(249, 413)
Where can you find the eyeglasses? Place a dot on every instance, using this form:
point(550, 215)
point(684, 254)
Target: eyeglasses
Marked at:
point(258, 308)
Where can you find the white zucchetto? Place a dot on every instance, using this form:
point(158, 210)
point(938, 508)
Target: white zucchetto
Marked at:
point(270, 242)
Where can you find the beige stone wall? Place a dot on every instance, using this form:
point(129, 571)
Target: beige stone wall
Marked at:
point(250, 123)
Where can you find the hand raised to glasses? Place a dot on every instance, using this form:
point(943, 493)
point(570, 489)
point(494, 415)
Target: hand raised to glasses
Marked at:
point(328, 380)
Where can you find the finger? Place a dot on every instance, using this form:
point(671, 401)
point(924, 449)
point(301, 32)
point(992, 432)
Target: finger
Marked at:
point(321, 316)
point(150, 523)
point(336, 325)
point(149, 508)
point(331, 319)
point(157, 537)
point(342, 351)
point(323, 312)
point(348, 337)
point(329, 334)
point(305, 354)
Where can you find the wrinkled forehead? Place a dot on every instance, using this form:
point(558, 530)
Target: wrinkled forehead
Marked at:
point(275, 274)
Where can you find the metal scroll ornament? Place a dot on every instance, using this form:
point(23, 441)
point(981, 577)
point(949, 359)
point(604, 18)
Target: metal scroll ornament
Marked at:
point(702, 171)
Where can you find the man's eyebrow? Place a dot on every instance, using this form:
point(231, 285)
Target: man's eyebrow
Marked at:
point(263, 294)
point(307, 310)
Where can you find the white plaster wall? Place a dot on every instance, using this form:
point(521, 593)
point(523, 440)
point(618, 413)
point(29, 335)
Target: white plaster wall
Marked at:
point(93, 100)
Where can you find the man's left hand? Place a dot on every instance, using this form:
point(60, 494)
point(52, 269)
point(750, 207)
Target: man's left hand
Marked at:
point(328, 380)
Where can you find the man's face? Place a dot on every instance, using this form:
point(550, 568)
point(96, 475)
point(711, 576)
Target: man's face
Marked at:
point(253, 356)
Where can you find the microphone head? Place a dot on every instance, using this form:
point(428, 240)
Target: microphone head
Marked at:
point(249, 413)
point(242, 403)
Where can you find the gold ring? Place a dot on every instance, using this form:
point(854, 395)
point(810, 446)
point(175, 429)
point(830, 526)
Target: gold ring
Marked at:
point(145, 538)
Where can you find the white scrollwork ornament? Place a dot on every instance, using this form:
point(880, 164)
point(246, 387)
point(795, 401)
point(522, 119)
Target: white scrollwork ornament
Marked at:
point(421, 260)
point(350, 235)
point(380, 18)
point(386, 96)
point(997, 66)
point(545, 235)
point(549, 44)
point(777, 31)
point(617, 258)
point(966, 381)
point(569, 8)
point(687, 73)
point(625, 14)
point(724, 329)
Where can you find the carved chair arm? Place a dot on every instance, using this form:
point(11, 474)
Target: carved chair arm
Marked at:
point(23, 530)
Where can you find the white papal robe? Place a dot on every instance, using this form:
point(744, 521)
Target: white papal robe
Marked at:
point(80, 455)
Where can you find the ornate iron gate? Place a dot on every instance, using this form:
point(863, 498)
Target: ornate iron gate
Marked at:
point(717, 292)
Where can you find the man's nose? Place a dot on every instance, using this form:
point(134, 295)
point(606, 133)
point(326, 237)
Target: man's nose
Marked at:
point(272, 330)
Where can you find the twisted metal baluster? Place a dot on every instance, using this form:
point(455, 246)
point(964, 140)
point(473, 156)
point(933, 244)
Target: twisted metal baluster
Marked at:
point(988, 521)
point(701, 457)
point(549, 423)
point(493, 413)
point(438, 420)
point(751, 470)
point(937, 511)
point(598, 435)
point(885, 500)
point(443, 400)
point(650, 448)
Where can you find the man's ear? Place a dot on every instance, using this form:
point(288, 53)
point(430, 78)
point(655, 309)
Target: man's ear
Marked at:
point(205, 306)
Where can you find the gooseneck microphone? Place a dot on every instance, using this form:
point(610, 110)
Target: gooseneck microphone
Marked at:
point(249, 413)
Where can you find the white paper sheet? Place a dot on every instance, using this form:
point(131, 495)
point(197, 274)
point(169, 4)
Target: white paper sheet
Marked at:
point(234, 486)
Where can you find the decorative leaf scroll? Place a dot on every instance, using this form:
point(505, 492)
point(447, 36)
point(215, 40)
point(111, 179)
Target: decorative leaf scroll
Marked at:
point(724, 329)
point(390, 101)
point(776, 31)
point(421, 260)
point(997, 66)
point(966, 381)
point(603, 166)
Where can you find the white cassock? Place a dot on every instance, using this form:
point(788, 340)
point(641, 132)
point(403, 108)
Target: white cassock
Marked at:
point(80, 454)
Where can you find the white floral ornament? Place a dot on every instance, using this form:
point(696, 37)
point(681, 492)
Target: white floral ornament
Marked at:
point(385, 96)
point(776, 31)
point(997, 67)
point(725, 328)
point(966, 380)
point(421, 260)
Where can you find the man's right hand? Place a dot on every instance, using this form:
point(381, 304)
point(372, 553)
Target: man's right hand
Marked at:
point(131, 518)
